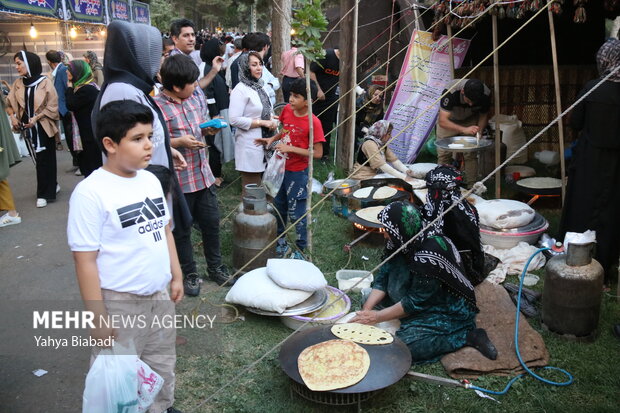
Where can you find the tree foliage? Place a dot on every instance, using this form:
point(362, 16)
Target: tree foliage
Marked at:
point(162, 13)
point(308, 23)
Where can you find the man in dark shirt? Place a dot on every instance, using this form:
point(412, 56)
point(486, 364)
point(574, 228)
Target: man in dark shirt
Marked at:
point(325, 73)
point(464, 111)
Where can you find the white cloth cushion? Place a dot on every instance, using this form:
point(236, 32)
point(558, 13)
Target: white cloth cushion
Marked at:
point(420, 170)
point(296, 274)
point(255, 289)
point(504, 213)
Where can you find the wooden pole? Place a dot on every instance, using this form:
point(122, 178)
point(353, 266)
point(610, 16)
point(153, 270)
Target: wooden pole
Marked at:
point(348, 83)
point(389, 53)
point(310, 157)
point(558, 100)
point(498, 174)
point(450, 50)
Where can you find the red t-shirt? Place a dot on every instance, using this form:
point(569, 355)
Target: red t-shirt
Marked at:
point(298, 130)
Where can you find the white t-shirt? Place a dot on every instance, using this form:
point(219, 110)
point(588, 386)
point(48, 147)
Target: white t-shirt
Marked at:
point(124, 219)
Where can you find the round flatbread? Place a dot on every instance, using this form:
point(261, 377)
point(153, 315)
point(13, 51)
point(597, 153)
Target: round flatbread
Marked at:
point(370, 214)
point(384, 192)
point(540, 183)
point(363, 193)
point(333, 364)
point(362, 333)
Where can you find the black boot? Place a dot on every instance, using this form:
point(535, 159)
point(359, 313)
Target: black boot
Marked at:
point(479, 340)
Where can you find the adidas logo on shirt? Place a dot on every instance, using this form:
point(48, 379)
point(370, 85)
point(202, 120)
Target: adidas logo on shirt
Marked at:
point(144, 211)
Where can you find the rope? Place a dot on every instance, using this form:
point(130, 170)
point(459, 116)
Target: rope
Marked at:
point(289, 228)
point(429, 225)
point(568, 382)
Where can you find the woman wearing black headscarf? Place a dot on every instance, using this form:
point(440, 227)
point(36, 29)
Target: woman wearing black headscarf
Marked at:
point(461, 224)
point(221, 147)
point(250, 113)
point(593, 192)
point(34, 109)
point(425, 287)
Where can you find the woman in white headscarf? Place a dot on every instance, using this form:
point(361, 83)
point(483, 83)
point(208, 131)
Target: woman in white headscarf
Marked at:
point(374, 149)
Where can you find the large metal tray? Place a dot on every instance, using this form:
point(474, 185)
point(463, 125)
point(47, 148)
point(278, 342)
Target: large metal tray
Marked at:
point(478, 146)
point(313, 303)
point(388, 362)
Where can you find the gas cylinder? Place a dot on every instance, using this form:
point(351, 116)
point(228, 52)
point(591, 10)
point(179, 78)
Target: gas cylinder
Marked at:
point(253, 229)
point(573, 292)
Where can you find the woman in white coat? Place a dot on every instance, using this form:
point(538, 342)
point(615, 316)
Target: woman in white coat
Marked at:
point(251, 113)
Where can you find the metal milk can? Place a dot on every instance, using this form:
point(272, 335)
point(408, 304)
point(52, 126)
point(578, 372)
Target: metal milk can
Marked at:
point(572, 293)
point(253, 229)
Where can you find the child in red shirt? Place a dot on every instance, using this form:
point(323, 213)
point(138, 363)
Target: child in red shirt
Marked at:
point(295, 136)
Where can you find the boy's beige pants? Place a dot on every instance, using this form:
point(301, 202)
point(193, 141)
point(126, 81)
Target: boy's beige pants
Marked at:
point(154, 345)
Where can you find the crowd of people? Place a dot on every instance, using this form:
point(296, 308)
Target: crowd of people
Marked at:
point(135, 130)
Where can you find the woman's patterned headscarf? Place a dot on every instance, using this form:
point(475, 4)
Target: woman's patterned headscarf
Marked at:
point(608, 59)
point(431, 254)
point(461, 224)
point(245, 77)
point(93, 60)
point(378, 131)
point(81, 73)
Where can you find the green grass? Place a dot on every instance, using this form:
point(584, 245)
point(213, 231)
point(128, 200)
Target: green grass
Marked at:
point(215, 357)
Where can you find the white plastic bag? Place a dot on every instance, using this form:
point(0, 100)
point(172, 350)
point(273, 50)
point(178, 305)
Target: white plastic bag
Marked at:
point(274, 174)
point(149, 385)
point(112, 383)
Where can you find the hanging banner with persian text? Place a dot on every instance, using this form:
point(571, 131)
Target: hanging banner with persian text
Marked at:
point(423, 77)
point(86, 10)
point(50, 8)
point(119, 10)
point(141, 13)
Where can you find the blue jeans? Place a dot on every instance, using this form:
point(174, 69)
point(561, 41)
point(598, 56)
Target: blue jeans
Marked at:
point(291, 202)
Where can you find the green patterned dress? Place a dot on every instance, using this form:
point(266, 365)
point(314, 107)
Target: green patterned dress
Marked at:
point(437, 319)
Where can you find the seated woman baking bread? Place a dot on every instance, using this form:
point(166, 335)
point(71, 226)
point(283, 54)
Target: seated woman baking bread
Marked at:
point(378, 154)
point(425, 287)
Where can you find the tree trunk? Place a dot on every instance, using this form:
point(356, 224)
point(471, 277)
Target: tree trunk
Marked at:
point(280, 36)
point(348, 82)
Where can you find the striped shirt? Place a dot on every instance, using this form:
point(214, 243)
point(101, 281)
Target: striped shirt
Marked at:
point(184, 119)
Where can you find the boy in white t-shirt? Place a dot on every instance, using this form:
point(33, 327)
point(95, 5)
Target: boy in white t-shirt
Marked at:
point(124, 252)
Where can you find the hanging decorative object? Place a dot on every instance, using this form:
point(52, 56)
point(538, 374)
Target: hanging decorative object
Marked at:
point(612, 6)
point(580, 11)
point(556, 7)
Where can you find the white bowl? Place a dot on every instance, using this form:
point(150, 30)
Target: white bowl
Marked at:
point(348, 278)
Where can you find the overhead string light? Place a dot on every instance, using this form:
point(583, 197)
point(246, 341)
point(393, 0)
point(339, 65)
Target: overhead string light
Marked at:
point(33, 31)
